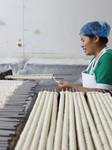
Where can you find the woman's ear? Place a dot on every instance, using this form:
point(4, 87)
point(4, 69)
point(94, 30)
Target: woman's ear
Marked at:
point(96, 38)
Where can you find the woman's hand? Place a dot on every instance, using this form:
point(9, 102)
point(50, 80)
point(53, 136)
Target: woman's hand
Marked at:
point(64, 84)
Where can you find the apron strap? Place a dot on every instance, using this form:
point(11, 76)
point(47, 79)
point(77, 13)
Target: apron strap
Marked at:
point(99, 55)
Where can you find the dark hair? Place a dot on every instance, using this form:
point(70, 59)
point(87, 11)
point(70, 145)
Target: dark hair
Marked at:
point(103, 40)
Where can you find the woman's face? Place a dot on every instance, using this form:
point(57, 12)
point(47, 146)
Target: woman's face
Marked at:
point(87, 44)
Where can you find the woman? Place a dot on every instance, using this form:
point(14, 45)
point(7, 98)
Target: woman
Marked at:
point(94, 41)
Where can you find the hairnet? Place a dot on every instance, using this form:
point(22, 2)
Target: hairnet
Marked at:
point(100, 28)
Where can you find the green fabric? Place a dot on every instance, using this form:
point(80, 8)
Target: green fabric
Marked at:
point(103, 69)
point(91, 65)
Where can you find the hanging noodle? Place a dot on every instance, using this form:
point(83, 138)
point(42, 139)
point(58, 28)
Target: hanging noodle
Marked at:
point(30, 77)
point(50, 141)
point(95, 136)
point(104, 122)
point(91, 99)
point(72, 130)
point(88, 139)
point(59, 127)
point(29, 122)
point(76, 125)
point(65, 123)
point(46, 125)
point(37, 133)
point(81, 140)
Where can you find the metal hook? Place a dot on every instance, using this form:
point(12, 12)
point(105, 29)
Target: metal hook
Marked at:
point(73, 89)
point(69, 89)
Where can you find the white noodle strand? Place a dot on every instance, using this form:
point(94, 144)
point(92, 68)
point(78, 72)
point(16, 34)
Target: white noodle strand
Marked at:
point(30, 77)
point(72, 131)
point(104, 122)
point(50, 141)
point(46, 125)
point(107, 116)
point(80, 135)
point(59, 127)
point(94, 108)
point(37, 134)
point(65, 123)
point(95, 136)
point(108, 104)
point(75, 124)
point(28, 123)
point(109, 96)
point(89, 143)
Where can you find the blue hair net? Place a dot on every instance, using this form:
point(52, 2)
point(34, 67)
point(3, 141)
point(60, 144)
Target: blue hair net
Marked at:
point(100, 28)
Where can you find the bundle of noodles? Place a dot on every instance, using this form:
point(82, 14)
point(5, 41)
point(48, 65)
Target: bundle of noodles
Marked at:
point(65, 123)
point(107, 131)
point(30, 77)
point(91, 99)
point(93, 131)
point(59, 126)
point(72, 130)
point(50, 141)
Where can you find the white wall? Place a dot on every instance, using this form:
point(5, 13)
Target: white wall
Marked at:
point(48, 28)
point(11, 28)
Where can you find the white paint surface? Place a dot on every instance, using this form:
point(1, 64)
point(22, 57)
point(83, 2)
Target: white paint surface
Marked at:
point(48, 29)
point(11, 28)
